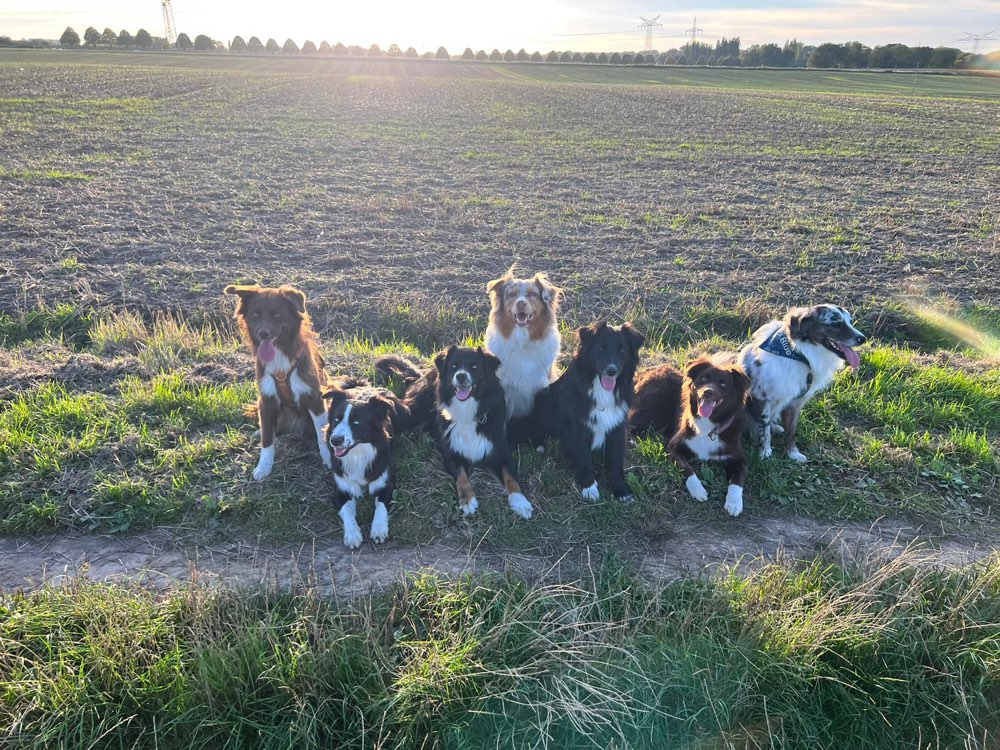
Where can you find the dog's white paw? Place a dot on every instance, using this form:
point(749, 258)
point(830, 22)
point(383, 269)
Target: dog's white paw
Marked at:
point(696, 488)
point(470, 507)
point(626, 498)
point(734, 500)
point(591, 492)
point(352, 537)
point(325, 454)
point(797, 455)
point(777, 428)
point(540, 449)
point(380, 523)
point(264, 464)
point(519, 504)
point(766, 452)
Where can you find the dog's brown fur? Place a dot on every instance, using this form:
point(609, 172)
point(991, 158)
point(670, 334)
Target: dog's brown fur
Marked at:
point(667, 402)
point(295, 379)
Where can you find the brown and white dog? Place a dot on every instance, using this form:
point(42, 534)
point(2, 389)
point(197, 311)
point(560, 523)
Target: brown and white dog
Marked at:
point(289, 369)
point(700, 415)
point(523, 334)
point(791, 360)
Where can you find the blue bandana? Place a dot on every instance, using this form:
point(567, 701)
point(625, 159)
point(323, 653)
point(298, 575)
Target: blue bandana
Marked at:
point(778, 343)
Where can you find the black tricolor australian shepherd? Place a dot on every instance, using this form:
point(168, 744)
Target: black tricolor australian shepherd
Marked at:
point(361, 423)
point(586, 408)
point(700, 415)
point(460, 400)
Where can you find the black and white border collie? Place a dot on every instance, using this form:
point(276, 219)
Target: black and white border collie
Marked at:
point(700, 415)
point(586, 408)
point(462, 403)
point(523, 333)
point(360, 429)
point(791, 360)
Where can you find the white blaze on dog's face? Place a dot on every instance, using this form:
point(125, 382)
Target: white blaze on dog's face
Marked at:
point(523, 300)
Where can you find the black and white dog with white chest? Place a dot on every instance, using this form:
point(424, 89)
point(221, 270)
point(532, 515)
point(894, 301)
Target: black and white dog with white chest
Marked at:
point(360, 431)
point(791, 360)
point(587, 407)
point(461, 402)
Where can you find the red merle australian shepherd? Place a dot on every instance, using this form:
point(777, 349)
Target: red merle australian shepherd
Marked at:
point(289, 368)
point(586, 408)
point(462, 403)
point(700, 415)
point(360, 430)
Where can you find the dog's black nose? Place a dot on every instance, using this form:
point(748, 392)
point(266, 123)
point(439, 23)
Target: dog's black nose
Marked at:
point(861, 338)
point(462, 377)
point(264, 333)
point(611, 371)
point(336, 440)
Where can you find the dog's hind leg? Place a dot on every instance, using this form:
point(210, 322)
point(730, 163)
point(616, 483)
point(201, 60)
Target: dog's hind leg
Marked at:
point(760, 419)
point(790, 419)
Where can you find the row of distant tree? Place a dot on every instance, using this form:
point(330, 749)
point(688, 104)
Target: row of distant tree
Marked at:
point(725, 52)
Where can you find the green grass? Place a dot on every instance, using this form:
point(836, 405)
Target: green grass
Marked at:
point(905, 435)
point(877, 655)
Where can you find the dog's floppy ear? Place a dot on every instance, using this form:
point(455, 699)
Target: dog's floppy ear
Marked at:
point(800, 322)
point(492, 361)
point(588, 332)
point(635, 339)
point(242, 291)
point(336, 396)
point(384, 405)
point(741, 381)
point(496, 286)
point(439, 360)
point(549, 292)
point(697, 367)
point(296, 296)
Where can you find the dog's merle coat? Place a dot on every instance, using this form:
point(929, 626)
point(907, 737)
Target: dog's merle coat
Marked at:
point(361, 424)
point(700, 415)
point(791, 360)
point(462, 404)
point(586, 408)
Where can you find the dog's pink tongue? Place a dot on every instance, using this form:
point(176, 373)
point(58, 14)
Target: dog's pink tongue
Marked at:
point(266, 350)
point(462, 392)
point(340, 452)
point(705, 409)
point(853, 359)
point(608, 382)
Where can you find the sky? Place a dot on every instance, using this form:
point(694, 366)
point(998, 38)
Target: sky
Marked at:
point(579, 25)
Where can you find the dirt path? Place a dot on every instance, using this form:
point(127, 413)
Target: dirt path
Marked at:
point(160, 559)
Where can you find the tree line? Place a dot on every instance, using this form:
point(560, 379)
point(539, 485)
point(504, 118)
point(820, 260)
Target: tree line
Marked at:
point(725, 52)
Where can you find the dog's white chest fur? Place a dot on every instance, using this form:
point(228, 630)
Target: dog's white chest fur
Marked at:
point(461, 432)
point(779, 380)
point(525, 365)
point(702, 444)
point(354, 467)
point(279, 366)
point(607, 413)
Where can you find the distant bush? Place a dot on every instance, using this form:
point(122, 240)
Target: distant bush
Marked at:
point(91, 37)
point(184, 42)
point(69, 38)
point(308, 48)
point(272, 47)
point(143, 39)
point(290, 47)
point(536, 56)
point(325, 48)
point(374, 51)
point(481, 55)
point(204, 43)
point(442, 54)
point(508, 56)
point(124, 39)
point(552, 57)
point(255, 46)
point(468, 54)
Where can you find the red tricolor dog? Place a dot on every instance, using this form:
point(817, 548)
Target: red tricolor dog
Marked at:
point(289, 368)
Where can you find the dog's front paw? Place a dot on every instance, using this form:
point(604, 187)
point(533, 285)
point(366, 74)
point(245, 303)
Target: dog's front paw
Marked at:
point(539, 449)
point(734, 500)
point(520, 504)
point(766, 452)
point(625, 498)
point(797, 455)
point(696, 488)
point(352, 537)
point(264, 464)
point(591, 492)
point(777, 429)
point(470, 507)
point(380, 524)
